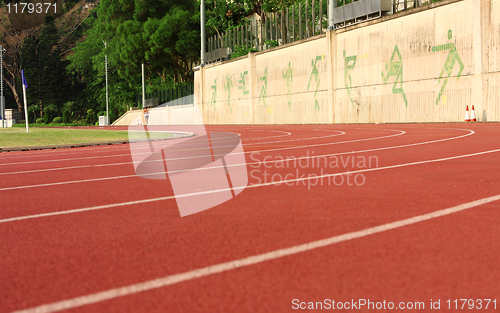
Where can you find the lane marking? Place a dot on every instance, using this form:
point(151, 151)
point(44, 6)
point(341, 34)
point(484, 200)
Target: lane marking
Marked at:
point(276, 183)
point(244, 262)
point(232, 165)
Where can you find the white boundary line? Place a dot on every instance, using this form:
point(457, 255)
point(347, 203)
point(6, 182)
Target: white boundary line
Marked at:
point(251, 260)
point(231, 165)
point(277, 183)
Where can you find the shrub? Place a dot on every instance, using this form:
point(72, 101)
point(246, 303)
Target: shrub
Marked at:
point(57, 120)
point(65, 117)
point(49, 112)
point(241, 51)
point(40, 120)
point(90, 116)
point(271, 43)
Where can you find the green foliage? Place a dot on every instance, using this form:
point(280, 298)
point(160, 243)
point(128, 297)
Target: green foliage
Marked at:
point(39, 120)
point(44, 69)
point(68, 108)
point(90, 119)
point(57, 120)
point(241, 51)
point(162, 34)
point(32, 112)
point(40, 123)
point(102, 113)
point(49, 112)
point(271, 43)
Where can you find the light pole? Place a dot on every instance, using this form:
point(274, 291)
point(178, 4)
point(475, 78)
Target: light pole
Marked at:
point(202, 23)
point(143, 88)
point(2, 100)
point(331, 8)
point(106, 69)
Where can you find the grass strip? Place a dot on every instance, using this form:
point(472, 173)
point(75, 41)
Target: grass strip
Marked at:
point(17, 137)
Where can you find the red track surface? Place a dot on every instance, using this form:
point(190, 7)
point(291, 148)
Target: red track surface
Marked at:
point(49, 259)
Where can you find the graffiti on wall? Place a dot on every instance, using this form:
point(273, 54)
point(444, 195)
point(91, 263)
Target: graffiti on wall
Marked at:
point(214, 93)
point(227, 87)
point(449, 64)
point(263, 90)
point(242, 82)
point(287, 76)
point(349, 63)
point(317, 79)
point(395, 68)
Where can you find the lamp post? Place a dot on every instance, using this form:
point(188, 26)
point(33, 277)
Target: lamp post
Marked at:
point(331, 8)
point(202, 24)
point(106, 69)
point(143, 88)
point(2, 100)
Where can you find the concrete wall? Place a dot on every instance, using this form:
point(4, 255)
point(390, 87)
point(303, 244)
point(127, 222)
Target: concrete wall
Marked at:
point(188, 114)
point(422, 65)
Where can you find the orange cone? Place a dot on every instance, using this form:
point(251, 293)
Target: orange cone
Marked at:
point(472, 114)
point(467, 118)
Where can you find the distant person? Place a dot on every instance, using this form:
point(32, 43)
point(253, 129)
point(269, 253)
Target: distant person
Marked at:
point(146, 116)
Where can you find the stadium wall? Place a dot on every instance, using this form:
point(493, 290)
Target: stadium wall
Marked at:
point(421, 65)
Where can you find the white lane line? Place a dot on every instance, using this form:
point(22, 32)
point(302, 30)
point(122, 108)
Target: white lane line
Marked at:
point(231, 165)
point(276, 183)
point(251, 260)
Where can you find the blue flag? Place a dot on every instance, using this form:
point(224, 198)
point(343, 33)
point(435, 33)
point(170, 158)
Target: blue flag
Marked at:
point(25, 83)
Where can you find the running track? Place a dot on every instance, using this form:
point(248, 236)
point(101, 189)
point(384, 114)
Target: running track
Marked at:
point(421, 224)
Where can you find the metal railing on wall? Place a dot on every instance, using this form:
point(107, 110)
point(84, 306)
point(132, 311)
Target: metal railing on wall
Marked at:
point(180, 95)
point(299, 22)
point(294, 23)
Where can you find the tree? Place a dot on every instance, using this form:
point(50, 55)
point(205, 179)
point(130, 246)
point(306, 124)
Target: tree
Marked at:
point(44, 69)
point(162, 34)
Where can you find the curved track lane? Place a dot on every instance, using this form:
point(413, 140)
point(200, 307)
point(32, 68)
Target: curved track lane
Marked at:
point(79, 230)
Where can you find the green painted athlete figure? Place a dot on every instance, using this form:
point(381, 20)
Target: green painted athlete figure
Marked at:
point(452, 58)
point(395, 68)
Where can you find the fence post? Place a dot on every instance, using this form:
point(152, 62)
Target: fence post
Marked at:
point(313, 18)
point(261, 38)
point(277, 26)
point(293, 23)
point(306, 35)
point(282, 30)
point(300, 21)
point(245, 34)
point(287, 26)
point(320, 16)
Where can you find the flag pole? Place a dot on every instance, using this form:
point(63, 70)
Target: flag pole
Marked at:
point(25, 108)
point(25, 101)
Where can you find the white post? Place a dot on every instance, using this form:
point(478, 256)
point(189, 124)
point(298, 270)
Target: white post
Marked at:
point(143, 88)
point(25, 108)
point(331, 8)
point(202, 24)
point(107, 98)
point(2, 99)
